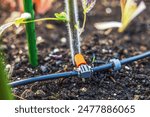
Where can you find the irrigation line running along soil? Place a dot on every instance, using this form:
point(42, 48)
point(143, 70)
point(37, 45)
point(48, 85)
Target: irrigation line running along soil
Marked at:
point(76, 73)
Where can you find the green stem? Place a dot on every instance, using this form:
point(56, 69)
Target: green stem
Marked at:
point(43, 19)
point(5, 90)
point(31, 35)
point(83, 25)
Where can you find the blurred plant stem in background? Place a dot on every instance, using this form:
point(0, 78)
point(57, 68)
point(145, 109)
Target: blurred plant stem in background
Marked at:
point(5, 90)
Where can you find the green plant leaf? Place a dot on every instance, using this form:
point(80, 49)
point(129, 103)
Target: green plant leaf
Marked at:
point(88, 5)
point(76, 27)
point(61, 16)
point(19, 21)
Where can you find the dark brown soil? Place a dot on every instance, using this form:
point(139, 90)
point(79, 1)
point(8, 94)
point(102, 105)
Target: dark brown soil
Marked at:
point(131, 82)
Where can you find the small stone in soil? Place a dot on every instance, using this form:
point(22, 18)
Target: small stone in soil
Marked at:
point(18, 78)
point(30, 70)
point(43, 69)
point(47, 59)
point(83, 89)
point(13, 46)
point(136, 97)
point(39, 40)
point(20, 51)
point(143, 48)
point(56, 56)
point(63, 40)
point(40, 92)
point(104, 51)
point(17, 60)
point(56, 50)
point(58, 62)
point(127, 68)
point(115, 94)
point(108, 10)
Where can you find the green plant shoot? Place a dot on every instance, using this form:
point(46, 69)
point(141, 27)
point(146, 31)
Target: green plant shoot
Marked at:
point(87, 6)
point(58, 17)
point(130, 9)
point(23, 20)
point(5, 90)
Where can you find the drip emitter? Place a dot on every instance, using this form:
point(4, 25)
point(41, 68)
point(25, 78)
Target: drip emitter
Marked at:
point(83, 69)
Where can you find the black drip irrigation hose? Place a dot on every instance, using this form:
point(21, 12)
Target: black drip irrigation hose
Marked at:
point(76, 73)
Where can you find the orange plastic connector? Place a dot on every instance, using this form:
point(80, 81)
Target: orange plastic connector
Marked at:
point(79, 60)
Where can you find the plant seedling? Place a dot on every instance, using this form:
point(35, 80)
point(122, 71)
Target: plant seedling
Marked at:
point(17, 22)
point(73, 23)
point(26, 16)
point(24, 19)
point(28, 19)
point(129, 9)
point(71, 17)
point(87, 6)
